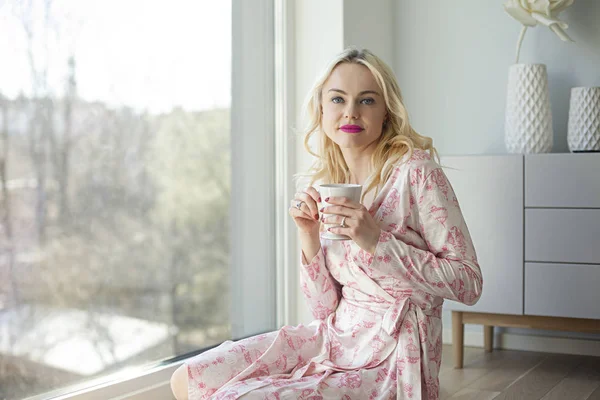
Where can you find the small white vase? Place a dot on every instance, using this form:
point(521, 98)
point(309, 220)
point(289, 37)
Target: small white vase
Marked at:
point(584, 120)
point(528, 123)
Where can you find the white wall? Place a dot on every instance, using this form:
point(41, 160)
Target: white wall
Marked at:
point(370, 24)
point(452, 62)
point(452, 65)
point(318, 37)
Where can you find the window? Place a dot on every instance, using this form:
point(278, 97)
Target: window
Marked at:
point(136, 192)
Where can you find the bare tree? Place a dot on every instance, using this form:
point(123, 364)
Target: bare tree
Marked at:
point(39, 115)
point(7, 215)
point(63, 164)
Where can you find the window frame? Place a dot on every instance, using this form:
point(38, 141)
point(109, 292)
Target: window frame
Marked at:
point(262, 164)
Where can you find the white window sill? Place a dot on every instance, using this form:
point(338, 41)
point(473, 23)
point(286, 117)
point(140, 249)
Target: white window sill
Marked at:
point(150, 384)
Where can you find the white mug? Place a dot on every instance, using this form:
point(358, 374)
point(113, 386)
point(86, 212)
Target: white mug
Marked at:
point(351, 191)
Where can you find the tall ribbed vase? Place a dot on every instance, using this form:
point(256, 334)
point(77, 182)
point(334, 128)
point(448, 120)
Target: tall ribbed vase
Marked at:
point(528, 123)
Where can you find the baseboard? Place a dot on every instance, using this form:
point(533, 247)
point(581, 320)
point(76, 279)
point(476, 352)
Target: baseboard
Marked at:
point(543, 344)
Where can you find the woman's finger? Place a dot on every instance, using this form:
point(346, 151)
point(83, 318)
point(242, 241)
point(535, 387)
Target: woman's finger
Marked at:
point(338, 210)
point(301, 207)
point(344, 201)
point(347, 231)
point(307, 204)
point(295, 213)
point(314, 196)
point(312, 192)
point(337, 220)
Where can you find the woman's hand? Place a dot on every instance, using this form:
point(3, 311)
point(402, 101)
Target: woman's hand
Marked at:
point(359, 225)
point(305, 211)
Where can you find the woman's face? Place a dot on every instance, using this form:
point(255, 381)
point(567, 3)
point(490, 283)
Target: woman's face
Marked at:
point(353, 107)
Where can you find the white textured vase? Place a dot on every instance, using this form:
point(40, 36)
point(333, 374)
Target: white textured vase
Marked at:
point(528, 123)
point(584, 119)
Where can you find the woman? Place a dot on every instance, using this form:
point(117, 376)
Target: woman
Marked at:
point(377, 298)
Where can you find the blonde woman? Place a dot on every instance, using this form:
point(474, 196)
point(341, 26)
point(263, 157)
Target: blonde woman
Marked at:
point(377, 299)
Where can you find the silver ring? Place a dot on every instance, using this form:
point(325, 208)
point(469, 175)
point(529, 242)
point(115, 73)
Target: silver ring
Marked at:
point(343, 224)
point(299, 204)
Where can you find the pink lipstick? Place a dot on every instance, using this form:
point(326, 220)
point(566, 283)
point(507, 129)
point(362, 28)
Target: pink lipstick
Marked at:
point(351, 128)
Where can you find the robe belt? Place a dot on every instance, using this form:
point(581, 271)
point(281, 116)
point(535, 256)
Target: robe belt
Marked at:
point(394, 312)
point(394, 316)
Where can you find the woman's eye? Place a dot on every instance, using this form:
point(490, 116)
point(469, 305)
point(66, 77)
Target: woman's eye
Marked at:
point(337, 100)
point(368, 101)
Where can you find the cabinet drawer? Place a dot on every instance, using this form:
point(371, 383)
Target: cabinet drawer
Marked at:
point(562, 235)
point(562, 290)
point(562, 180)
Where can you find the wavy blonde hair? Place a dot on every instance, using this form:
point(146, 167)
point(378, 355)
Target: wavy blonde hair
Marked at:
point(397, 137)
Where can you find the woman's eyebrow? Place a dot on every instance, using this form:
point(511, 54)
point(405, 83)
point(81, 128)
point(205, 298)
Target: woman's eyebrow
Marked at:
point(360, 94)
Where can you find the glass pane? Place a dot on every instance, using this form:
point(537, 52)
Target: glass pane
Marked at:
point(115, 182)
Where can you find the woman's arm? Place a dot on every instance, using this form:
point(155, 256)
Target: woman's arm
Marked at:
point(319, 288)
point(321, 291)
point(449, 269)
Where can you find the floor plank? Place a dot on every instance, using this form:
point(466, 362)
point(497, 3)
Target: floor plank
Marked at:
point(542, 379)
point(579, 384)
point(474, 394)
point(509, 374)
point(512, 368)
point(470, 355)
point(453, 380)
point(595, 395)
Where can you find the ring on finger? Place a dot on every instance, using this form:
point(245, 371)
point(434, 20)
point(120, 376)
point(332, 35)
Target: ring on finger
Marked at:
point(343, 224)
point(299, 204)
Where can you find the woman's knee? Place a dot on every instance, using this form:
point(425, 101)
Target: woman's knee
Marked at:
point(179, 383)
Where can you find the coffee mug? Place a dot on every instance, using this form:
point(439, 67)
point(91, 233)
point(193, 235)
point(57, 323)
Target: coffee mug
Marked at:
point(351, 191)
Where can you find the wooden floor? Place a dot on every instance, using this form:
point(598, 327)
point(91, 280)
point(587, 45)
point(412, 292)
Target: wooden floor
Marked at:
point(508, 374)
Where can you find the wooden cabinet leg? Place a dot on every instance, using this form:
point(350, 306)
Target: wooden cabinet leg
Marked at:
point(488, 338)
point(458, 338)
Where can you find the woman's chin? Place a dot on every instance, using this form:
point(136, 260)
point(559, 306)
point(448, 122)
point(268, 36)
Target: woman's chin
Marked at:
point(351, 142)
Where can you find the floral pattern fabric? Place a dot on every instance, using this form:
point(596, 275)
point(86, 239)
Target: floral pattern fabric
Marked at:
point(377, 332)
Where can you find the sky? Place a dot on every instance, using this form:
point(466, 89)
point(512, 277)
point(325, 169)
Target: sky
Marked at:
point(151, 55)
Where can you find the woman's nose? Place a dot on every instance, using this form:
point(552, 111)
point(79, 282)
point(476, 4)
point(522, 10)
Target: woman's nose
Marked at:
point(351, 111)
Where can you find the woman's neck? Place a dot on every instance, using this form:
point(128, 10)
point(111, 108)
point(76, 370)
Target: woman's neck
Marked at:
point(359, 163)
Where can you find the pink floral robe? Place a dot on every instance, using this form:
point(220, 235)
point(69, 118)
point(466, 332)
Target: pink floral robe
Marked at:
point(378, 328)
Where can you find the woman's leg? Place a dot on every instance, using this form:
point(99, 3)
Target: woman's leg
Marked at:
point(279, 352)
point(205, 373)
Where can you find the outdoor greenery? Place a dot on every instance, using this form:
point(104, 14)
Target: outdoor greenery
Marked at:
point(115, 212)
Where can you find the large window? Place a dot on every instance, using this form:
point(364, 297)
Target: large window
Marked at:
point(116, 189)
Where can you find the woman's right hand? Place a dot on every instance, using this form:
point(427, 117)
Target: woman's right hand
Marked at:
point(305, 211)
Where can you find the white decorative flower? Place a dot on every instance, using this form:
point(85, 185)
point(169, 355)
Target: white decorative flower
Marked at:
point(533, 12)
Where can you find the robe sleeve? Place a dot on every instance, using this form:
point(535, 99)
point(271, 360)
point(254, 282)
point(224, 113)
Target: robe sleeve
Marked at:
point(449, 267)
point(321, 290)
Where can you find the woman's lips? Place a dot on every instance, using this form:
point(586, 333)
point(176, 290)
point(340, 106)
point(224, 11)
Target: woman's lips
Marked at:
point(351, 128)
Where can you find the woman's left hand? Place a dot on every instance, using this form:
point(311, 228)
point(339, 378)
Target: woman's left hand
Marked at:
point(359, 225)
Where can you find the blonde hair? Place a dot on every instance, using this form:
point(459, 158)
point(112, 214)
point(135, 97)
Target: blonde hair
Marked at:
point(397, 137)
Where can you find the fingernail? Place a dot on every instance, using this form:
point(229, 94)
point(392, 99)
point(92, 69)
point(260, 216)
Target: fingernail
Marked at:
point(322, 208)
point(317, 217)
point(326, 198)
point(319, 199)
point(329, 229)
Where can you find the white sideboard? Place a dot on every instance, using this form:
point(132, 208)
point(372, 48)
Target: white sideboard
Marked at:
point(535, 223)
point(490, 193)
